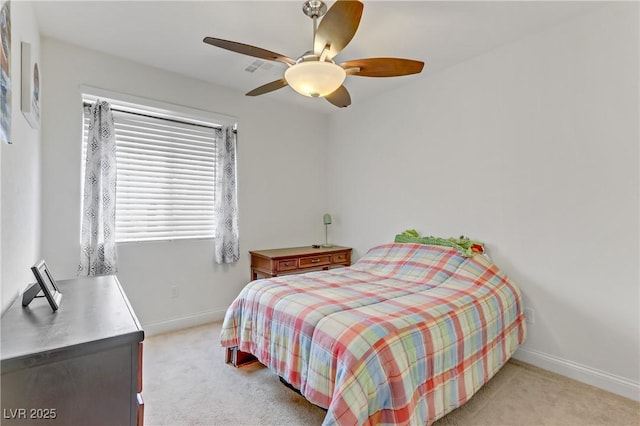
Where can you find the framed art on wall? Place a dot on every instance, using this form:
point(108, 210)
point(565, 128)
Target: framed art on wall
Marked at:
point(5, 71)
point(30, 104)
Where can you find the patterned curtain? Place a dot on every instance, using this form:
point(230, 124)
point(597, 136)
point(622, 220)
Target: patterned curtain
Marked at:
point(98, 245)
point(227, 249)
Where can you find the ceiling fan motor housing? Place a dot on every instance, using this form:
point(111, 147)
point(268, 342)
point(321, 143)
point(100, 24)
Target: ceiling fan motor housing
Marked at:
point(314, 8)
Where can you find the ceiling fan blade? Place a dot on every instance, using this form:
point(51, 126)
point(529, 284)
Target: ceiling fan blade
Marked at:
point(269, 87)
point(337, 27)
point(247, 49)
point(340, 97)
point(383, 67)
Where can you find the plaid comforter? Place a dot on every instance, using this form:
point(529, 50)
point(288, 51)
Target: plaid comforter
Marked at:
point(405, 335)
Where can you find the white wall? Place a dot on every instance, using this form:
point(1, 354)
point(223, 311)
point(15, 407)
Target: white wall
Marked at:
point(281, 179)
point(20, 173)
point(532, 148)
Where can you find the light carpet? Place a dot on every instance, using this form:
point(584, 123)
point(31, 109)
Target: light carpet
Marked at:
point(186, 382)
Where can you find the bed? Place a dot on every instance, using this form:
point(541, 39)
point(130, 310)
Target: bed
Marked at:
point(403, 336)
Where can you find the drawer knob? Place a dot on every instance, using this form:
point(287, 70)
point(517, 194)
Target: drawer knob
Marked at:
point(315, 260)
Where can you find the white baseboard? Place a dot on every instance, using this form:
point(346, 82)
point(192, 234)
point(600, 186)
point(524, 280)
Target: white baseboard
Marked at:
point(591, 376)
point(192, 320)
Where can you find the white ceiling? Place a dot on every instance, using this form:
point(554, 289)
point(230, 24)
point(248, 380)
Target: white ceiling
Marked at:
point(168, 35)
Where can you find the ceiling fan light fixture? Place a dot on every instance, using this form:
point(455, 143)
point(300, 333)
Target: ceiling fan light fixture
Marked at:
point(315, 78)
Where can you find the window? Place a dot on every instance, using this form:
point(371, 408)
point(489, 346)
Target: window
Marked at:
point(165, 171)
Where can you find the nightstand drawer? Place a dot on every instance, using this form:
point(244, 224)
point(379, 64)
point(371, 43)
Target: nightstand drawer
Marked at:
point(310, 262)
point(339, 258)
point(287, 264)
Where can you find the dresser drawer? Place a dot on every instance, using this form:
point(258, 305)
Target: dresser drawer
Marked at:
point(140, 410)
point(139, 367)
point(287, 264)
point(311, 262)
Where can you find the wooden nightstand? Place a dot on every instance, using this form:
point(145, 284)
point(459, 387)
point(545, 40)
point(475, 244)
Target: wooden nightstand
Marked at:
point(295, 260)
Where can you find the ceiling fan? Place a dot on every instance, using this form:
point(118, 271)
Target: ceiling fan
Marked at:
point(315, 73)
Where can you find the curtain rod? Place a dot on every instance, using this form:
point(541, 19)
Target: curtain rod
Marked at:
point(88, 104)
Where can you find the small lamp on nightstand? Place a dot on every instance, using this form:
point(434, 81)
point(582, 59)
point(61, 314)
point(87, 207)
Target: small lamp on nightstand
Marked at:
point(327, 221)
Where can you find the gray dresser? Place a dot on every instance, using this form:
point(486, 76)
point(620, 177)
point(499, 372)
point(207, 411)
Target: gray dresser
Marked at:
point(80, 365)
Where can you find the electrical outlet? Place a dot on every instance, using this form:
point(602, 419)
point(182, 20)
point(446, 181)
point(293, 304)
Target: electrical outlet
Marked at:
point(530, 315)
point(174, 292)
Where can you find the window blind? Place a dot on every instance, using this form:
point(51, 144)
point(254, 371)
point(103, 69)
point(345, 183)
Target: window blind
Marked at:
point(165, 176)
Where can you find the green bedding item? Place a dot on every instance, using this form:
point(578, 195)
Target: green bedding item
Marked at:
point(464, 245)
point(411, 233)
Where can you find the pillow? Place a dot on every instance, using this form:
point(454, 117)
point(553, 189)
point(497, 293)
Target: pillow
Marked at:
point(464, 245)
